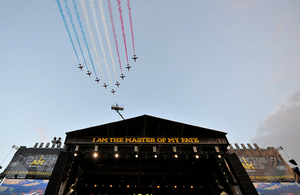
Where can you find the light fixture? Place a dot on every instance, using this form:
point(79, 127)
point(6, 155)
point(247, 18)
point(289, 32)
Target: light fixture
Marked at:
point(197, 156)
point(192, 186)
point(136, 156)
point(76, 148)
point(116, 155)
point(75, 154)
point(219, 156)
point(136, 148)
point(95, 155)
point(154, 148)
point(174, 149)
point(96, 149)
point(116, 148)
point(95, 185)
point(158, 186)
point(127, 186)
point(195, 149)
point(175, 186)
point(155, 156)
point(176, 156)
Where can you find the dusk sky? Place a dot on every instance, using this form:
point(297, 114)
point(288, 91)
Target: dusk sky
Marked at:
point(231, 66)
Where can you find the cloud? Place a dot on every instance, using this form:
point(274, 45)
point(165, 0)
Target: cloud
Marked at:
point(282, 26)
point(282, 128)
point(42, 134)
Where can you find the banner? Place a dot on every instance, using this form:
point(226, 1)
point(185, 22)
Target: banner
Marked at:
point(32, 163)
point(23, 186)
point(264, 165)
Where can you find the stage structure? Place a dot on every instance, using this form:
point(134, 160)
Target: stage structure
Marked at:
point(148, 155)
point(30, 169)
point(267, 169)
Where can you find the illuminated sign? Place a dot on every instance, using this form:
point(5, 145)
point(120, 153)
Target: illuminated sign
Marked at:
point(144, 140)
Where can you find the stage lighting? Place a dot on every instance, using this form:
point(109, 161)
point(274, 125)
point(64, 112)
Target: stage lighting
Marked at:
point(197, 156)
point(95, 155)
point(155, 156)
point(176, 156)
point(136, 156)
point(75, 154)
point(116, 155)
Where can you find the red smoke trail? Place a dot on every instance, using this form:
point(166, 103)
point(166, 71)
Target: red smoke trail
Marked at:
point(114, 31)
point(129, 9)
point(122, 25)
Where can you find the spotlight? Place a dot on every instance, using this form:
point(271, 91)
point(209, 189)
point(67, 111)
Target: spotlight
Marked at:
point(219, 156)
point(176, 156)
point(127, 186)
point(192, 186)
point(175, 186)
point(75, 154)
point(136, 156)
point(155, 156)
point(95, 155)
point(111, 186)
point(197, 156)
point(95, 185)
point(116, 155)
point(158, 186)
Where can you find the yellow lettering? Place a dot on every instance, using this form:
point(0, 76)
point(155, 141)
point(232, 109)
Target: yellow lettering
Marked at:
point(133, 140)
point(94, 139)
point(248, 166)
point(127, 139)
point(120, 139)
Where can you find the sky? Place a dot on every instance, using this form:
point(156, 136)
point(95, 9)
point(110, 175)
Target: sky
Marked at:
point(231, 66)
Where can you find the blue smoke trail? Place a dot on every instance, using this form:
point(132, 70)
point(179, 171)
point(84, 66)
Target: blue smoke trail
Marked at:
point(64, 19)
point(71, 19)
point(83, 34)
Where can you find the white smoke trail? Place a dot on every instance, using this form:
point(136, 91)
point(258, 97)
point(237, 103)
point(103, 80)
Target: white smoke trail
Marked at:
point(106, 34)
point(91, 34)
point(99, 36)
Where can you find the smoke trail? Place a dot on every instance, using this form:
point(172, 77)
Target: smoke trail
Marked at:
point(122, 25)
point(99, 36)
point(114, 31)
point(83, 34)
point(107, 37)
point(130, 19)
point(91, 34)
point(64, 19)
point(71, 19)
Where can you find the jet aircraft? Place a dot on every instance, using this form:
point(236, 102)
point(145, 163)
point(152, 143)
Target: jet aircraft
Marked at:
point(105, 85)
point(128, 67)
point(97, 79)
point(135, 57)
point(113, 91)
point(122, 76)
point(80, 66)
point(118, 84)
point(89, 73)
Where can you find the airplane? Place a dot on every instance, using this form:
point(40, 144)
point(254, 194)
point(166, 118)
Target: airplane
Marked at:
point(80, 67)
point(113, 91)
point(105, 85)
point(128, 67)
point(122, 76)
point(135, 57)
point(118, 84)
point(97, 79)
point(89, 73)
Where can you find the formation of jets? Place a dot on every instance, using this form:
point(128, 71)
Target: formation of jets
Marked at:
point(135, 57)
point(80, 66)
point(89, 73)
point(117, 83)
point(105, 85)
point(128, 67)
point(122, 76)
